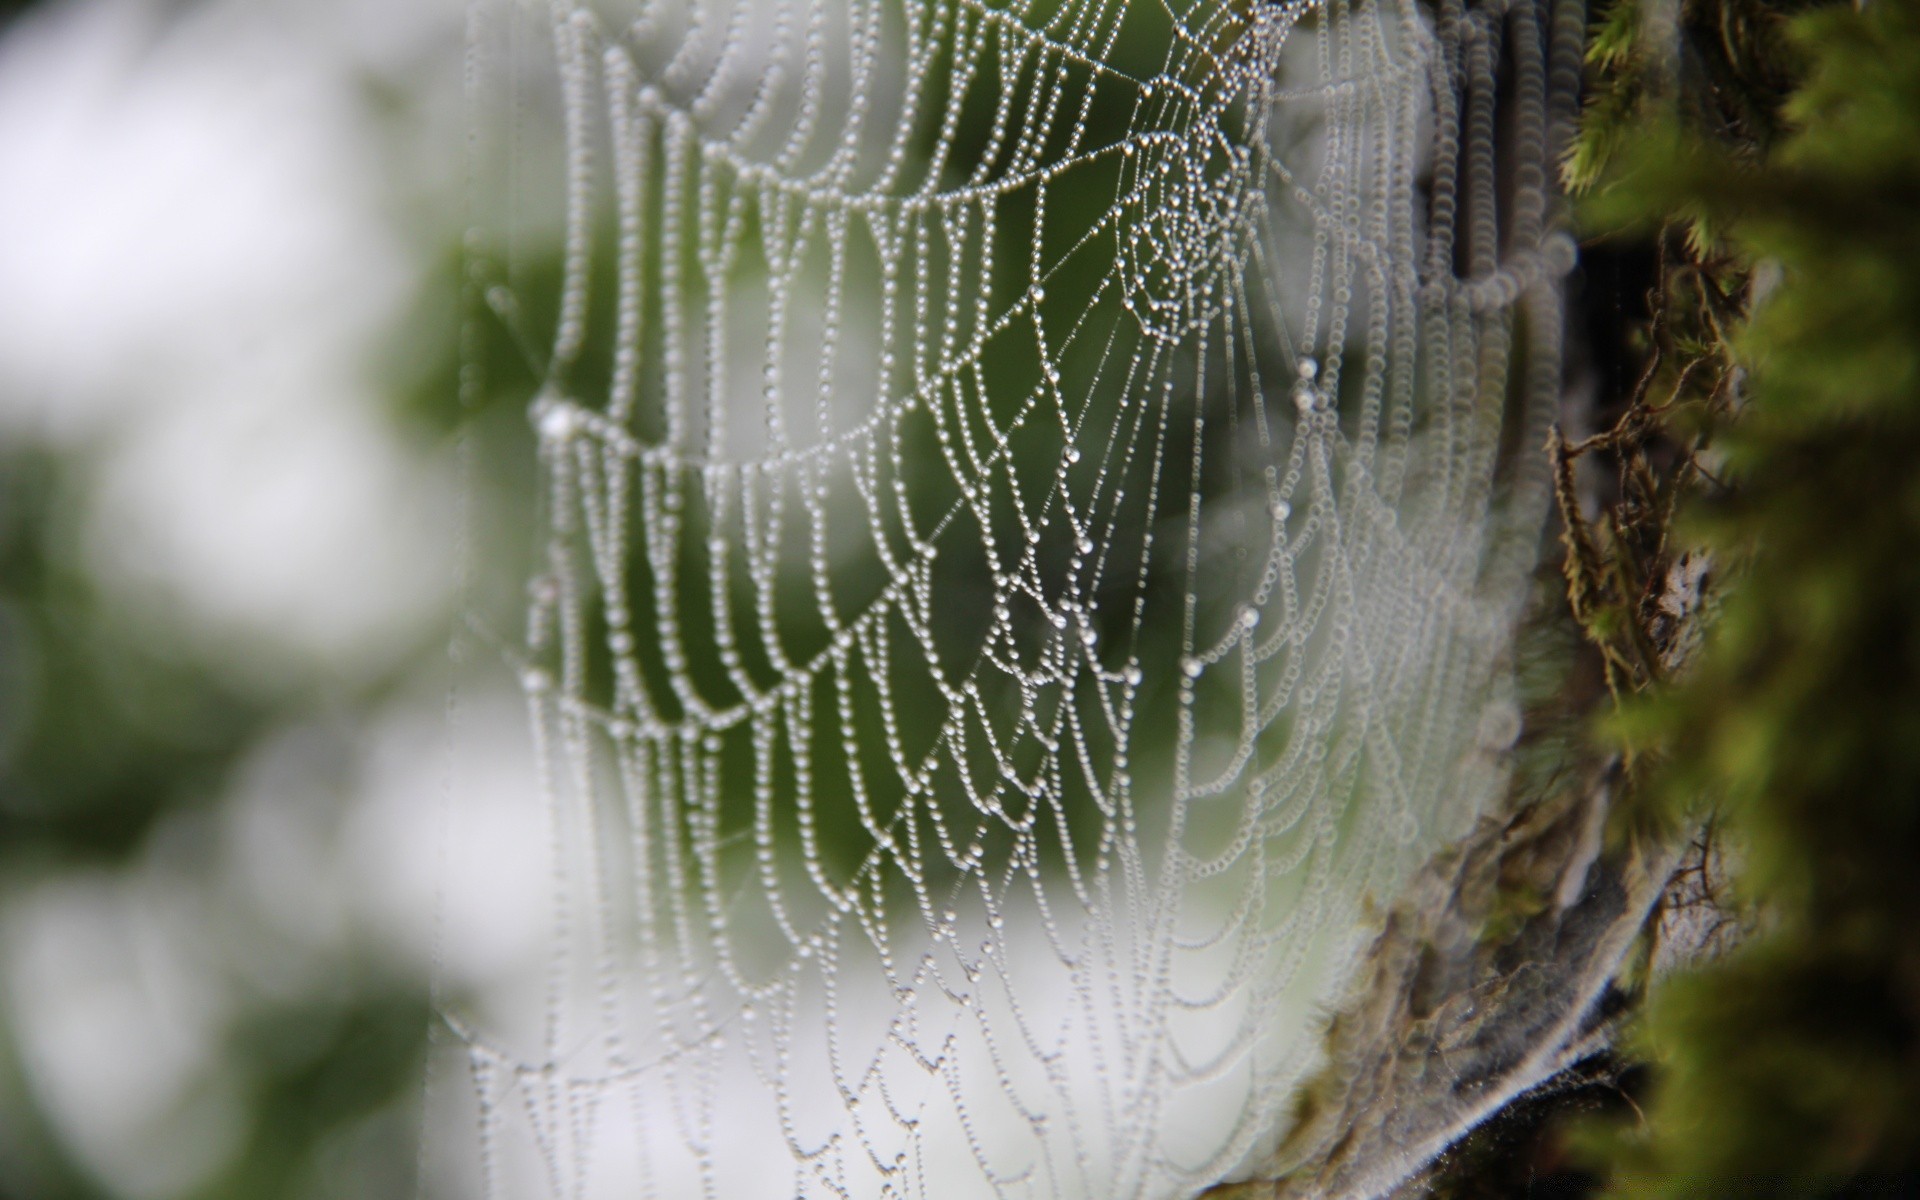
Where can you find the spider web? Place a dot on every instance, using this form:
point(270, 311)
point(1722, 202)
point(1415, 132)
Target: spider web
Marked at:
point(1033, 503)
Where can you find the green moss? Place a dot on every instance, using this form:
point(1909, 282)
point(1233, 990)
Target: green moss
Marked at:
point(1792, 1067)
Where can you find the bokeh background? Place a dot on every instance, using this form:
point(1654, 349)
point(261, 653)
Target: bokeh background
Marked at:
point(227, 568)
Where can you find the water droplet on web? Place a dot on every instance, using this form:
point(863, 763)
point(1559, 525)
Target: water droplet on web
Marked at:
point(558, 422)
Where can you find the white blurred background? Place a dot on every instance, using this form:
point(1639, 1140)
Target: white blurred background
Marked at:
point(228, 235)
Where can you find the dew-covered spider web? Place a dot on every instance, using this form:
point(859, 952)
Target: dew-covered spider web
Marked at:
point(1024, 512)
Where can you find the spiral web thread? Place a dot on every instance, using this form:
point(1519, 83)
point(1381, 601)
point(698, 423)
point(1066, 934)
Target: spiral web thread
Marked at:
point(1034, 500)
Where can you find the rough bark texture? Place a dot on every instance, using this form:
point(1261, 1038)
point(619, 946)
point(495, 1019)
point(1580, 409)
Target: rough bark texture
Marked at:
point(1462, 1005)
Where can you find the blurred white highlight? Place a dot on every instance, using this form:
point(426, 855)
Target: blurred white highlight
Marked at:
point(199, 269)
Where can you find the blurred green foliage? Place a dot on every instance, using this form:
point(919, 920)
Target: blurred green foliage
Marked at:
point(114, 734)
point(105, 730)
point(1787, 145)
point(108, 732)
